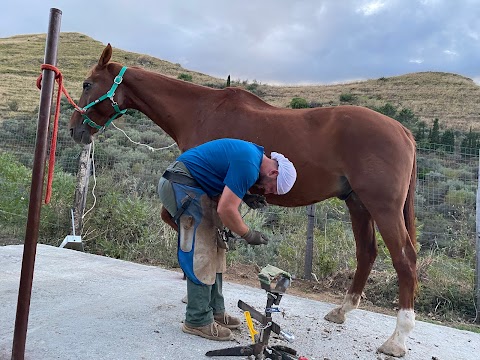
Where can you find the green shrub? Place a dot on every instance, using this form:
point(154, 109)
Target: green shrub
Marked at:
point(255, 88)
point(214, 85)
point(347, 98)
point(15, 182)
point(446, 288)
point(388, 110)
point(298, 103)
point(185, 77)
point(13, 105)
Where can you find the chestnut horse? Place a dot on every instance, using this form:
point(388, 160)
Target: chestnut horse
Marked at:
point(349, 152)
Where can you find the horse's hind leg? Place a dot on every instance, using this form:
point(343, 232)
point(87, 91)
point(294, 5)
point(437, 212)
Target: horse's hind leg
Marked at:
point(392, 228)
point(366, 252)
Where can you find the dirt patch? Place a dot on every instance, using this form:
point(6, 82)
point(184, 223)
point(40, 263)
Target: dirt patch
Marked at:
point(331, 289)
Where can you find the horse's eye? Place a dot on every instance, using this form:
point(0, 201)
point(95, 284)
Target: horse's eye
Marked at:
point(86, 85)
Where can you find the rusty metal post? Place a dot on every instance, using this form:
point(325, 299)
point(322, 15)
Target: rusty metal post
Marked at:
point(36, 189)
point(477, 250)
point(307, 272)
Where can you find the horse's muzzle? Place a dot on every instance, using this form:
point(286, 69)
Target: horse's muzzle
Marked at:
point(81, 134)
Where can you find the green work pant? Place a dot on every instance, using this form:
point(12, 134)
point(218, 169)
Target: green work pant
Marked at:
point(203, 302)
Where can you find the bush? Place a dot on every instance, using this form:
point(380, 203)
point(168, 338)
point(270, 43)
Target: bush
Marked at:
point(185, 77)
point(15, 182)
point(446, 288)
point(298, 103)
point(254, 88)
point(387, 109)
point(13, 105)
point(129, 228)
point(347, 98)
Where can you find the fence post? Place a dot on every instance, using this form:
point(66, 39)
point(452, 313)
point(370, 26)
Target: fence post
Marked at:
point(307, 273)
point(81, 189)
point(36, 189)
point(477, 249)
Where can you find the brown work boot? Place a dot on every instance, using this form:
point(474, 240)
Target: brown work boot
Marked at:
point(211, 331)
point(227, 320)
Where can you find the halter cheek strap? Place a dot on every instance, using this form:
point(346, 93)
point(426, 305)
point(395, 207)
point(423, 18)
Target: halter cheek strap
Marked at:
point(109, 95)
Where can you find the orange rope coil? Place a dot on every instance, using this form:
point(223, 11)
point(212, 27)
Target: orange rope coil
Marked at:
point(53, 144)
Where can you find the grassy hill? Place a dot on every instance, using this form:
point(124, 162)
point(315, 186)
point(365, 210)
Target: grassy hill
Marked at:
point(451, 98)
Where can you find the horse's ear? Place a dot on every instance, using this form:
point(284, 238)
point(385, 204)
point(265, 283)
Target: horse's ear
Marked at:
point(106, 56)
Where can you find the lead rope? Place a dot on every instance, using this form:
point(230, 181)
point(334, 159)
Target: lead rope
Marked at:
point(53, 144)
point(93, 163)
point(140, 144)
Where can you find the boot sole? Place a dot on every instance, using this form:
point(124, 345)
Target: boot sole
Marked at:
point(194, 331)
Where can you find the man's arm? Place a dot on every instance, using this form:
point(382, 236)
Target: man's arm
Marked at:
point(227, 209)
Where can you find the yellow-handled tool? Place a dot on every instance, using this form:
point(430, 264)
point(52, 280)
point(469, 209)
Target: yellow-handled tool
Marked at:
point(252, 330)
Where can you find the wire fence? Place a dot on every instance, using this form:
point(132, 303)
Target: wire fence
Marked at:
point(123, 218)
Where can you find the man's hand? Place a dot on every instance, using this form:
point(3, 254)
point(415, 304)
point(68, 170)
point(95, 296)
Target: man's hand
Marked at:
point(254, 237)
point(255, 201)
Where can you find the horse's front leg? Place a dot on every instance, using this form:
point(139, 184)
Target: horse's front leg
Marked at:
point(366, 253)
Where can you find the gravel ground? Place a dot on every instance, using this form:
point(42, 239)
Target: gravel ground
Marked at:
point(90, 307)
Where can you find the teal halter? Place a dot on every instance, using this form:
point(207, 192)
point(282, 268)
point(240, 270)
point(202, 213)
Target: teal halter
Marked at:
point(109, 95)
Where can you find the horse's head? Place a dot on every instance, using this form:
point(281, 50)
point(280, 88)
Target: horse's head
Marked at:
point(95, 113)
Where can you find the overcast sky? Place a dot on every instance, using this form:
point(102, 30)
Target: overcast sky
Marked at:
point(275, 41)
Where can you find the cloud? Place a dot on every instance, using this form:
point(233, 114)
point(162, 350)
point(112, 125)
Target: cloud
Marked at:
point(281, 41)
point(371, 8)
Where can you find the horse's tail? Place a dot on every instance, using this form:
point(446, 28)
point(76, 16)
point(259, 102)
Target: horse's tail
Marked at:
point(409, 207)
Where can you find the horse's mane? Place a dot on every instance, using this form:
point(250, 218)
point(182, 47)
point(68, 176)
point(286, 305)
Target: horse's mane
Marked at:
point(232, 92)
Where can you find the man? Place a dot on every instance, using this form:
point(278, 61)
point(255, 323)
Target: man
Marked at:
point(202, 192)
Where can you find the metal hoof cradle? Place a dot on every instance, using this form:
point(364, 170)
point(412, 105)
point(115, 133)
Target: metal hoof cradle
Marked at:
point(260, 349)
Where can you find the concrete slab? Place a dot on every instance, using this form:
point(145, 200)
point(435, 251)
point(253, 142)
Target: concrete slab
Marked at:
point(91, 307)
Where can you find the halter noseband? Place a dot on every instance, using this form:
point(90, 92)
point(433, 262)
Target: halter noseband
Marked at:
point(109, 95)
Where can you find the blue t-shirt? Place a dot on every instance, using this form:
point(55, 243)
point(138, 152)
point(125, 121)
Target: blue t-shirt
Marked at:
point(224, 162)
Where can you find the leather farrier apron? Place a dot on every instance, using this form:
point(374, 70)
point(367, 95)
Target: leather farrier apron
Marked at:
point(198, 254)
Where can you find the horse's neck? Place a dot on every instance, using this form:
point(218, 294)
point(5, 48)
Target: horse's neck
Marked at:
point(168, 102)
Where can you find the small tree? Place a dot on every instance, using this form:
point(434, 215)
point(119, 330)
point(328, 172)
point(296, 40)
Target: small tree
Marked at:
point(448, 140)
point(470, 144)
point(388, 110)
point(420, 131)
point(434, 134)
point(406, 117)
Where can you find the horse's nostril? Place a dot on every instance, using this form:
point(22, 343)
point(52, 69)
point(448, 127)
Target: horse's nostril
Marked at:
point(71, 132)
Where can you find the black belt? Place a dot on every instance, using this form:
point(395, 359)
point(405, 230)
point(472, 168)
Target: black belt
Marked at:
point(180, 179)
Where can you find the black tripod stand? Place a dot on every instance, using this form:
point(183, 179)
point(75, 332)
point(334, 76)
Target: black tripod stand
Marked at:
point(260, 349)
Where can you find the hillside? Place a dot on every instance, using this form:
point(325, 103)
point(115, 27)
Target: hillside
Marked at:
point(451, 98)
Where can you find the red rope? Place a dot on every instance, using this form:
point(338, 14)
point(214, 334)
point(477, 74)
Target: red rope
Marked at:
point(53, 144)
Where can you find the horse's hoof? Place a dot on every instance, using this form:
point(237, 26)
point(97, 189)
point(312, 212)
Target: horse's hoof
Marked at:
point(392, 348)
point(337, 315)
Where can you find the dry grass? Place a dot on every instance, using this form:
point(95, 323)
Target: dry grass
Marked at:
point(451, 98)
